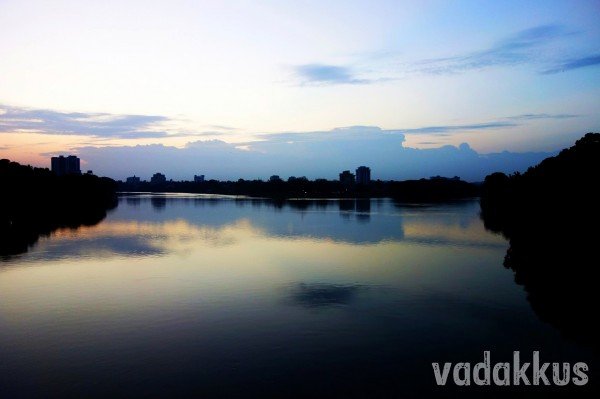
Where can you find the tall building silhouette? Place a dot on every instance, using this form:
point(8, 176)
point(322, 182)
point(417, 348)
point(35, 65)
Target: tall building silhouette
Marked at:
point(363, 175)
point(158, 178)
point(347, 178)
point(69, 165)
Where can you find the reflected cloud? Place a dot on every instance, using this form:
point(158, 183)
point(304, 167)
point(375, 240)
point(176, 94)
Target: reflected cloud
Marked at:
point(149, 225)
point(322, 295)
point(135, 239)
point(331, 219)
point(341, 221)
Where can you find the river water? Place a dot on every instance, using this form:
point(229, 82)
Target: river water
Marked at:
point(195, 295)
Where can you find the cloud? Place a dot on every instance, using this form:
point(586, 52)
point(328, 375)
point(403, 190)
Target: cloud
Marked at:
point(220, 127)
point(98, 125)
point(522, 47)
point(577, 63)
point(199, 134)
point(321, 74)
point(350, 133)
point(508, 122)
point(313, 154)
point(15, 119)
point(538, 45)
point(542, 116)
point(451, 128)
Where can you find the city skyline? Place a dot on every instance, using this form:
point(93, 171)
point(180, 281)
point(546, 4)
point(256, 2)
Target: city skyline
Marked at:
point(443, 84)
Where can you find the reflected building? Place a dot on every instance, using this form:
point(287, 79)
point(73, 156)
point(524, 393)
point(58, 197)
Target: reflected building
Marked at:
point(363, 209)
point(69, 165)
point(133, 201)
point(346, 207)
point(158, 203)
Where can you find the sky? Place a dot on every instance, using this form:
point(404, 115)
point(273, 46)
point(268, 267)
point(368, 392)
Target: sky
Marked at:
point(247, 89)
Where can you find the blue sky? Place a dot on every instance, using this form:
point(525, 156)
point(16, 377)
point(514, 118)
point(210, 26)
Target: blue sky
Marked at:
point(171, 77)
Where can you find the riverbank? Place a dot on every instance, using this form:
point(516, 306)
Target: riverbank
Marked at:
point(550, 214)
point(36, 202)
point(423, 190)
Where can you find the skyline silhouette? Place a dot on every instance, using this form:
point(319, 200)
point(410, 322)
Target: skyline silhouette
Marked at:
point(314, 155)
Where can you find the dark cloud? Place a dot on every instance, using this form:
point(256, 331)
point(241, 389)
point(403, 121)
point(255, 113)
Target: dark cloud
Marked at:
point(542, 116)
point(105, 125)
point(508, 122)
point(350, 133)
point(321, 74)
point(97, 125)
point(453, 128)
point(321, 295)
point(577, 63)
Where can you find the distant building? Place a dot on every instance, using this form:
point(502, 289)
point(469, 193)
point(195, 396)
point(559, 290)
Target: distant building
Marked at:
point(69, 165)
point(274, 178)
point(198, 178)
point(158, 178)
point(133, 180)
point(363, 175)
point(89, 172)
point(346, 177)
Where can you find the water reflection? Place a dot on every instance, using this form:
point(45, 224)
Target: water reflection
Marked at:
point(158, 203)
point(318, 295)
point(554, 259)
point(207, 296)
point(16, 239)
point(145, 225)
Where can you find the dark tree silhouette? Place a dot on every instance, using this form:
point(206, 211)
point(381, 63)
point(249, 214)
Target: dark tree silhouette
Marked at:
point(434, 189)
point(34, 202)
point(550, 216)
